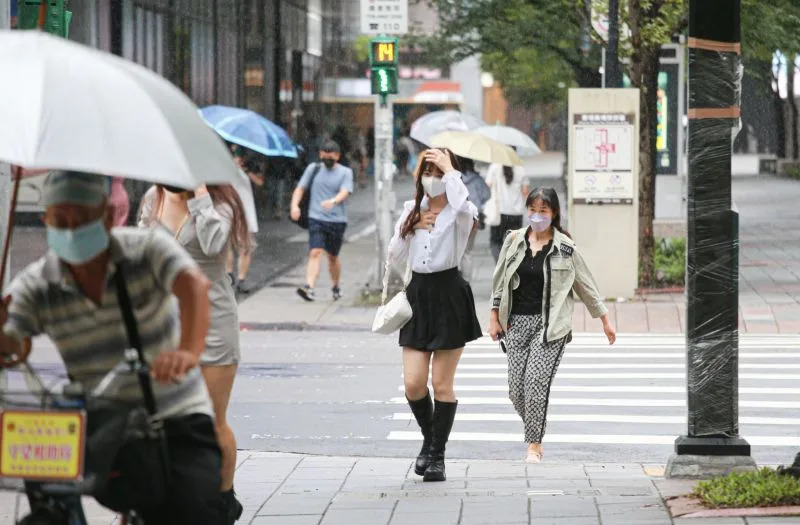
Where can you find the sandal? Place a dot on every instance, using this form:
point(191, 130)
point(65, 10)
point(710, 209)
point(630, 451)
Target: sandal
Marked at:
point(533, 457)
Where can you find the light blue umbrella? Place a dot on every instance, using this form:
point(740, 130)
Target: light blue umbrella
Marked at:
point(251, 130)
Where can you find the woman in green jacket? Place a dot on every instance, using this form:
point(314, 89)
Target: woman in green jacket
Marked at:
point(538, 271)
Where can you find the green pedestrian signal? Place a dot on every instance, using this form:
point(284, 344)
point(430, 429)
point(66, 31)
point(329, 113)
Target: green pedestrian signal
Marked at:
point(383, 55)
point(384, 80)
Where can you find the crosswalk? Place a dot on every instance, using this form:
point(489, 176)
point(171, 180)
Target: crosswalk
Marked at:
point(632, 393)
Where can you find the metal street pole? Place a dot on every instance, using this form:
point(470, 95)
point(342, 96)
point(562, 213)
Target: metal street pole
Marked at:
point(384, 174)
point(5, 169)
point(712, 445)
point(613, 76)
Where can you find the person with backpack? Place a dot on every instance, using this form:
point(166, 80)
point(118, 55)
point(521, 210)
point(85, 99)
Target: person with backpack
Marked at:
point(328, 185)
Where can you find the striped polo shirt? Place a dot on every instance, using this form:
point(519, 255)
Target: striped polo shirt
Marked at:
point(90, 338)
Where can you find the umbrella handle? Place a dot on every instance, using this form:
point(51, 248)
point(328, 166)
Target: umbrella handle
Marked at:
point(16, 171)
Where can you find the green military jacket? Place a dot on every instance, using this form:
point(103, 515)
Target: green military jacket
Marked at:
point(566, 275)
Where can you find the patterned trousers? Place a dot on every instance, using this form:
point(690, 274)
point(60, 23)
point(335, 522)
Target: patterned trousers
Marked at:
point(531, 368)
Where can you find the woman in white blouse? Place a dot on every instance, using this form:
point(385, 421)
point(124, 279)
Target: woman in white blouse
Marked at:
point(510, 188)
point(431, 236)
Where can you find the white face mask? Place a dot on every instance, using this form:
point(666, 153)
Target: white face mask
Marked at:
point(433, 186)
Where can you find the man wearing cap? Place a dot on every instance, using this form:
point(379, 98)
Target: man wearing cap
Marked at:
point(327, 215)
point(70, 294)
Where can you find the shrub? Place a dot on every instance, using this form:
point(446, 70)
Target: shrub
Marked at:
point(670, 261)
point(762, 488)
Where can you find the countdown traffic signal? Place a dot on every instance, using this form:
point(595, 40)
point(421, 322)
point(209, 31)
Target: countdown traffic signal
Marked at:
point(383, 65)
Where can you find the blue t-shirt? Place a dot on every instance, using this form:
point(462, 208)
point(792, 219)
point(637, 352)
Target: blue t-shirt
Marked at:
point(327, 184)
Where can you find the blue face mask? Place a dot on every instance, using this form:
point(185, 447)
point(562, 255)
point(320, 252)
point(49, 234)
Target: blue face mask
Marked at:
point(80, 245)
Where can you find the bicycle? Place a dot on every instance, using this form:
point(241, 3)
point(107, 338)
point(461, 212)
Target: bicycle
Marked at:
point(43, 443)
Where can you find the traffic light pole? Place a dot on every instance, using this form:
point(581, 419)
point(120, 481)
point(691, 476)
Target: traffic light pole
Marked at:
point(384, 175)
point(5, 169)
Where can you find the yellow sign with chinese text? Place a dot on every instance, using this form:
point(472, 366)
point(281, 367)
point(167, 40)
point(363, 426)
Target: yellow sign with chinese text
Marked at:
point(42, 445)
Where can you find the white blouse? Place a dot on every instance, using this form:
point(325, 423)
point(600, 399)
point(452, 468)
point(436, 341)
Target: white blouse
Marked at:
point(443, 247)
point(512, 202)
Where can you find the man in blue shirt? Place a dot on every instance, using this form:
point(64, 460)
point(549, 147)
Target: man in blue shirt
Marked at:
point(327, 215)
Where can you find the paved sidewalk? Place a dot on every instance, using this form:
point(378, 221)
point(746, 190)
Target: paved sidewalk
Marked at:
point(292, 489)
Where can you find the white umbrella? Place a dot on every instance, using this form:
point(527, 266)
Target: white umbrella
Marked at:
point(509, 136)
point(476, 147)
point(67, 106)
point(424, 128)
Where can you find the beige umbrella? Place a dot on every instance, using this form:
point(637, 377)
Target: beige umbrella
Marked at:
point(476, 147)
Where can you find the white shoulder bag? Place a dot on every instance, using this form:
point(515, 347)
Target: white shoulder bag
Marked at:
point(392, 316)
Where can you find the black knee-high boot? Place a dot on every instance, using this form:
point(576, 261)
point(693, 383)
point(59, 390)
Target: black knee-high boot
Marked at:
point(423, 413)
point(444, 413)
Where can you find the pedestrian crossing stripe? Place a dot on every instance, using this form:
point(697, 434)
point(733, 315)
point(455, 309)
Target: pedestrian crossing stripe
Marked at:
point(604, 439)
point(620, 389)
point(610, 402)
point(633, 355)
point(633, 376)
point(603, 418)
point(624, 366)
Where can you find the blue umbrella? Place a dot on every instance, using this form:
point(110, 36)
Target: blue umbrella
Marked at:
point(251, 130)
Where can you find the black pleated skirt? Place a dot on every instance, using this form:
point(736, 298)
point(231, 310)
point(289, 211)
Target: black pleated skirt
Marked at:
point(443, 312)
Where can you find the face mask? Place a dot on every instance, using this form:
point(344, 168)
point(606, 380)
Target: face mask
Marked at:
point(172, 189)
point(329, 163)
point(80, 245)
point(433, 186)
point(540, 222)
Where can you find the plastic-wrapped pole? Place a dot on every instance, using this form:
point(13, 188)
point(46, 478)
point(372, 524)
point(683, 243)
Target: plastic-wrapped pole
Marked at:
point(713, 233)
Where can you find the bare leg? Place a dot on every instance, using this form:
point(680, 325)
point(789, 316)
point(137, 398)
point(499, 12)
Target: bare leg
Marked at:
point(335, 268)
point(219, 380)
point(314, 263)
point(415, 372)
point(444, 373)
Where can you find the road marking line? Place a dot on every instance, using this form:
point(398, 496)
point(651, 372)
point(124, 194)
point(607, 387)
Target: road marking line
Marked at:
point(634, 375)
point(634, 355)
point(622, 366)
point(368, 230)
point(607, 402)
point(604, 418)
point(620, 389)
point(608, 439)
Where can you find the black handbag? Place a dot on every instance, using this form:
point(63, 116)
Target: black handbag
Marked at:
point(305, 202)
point(127, 449)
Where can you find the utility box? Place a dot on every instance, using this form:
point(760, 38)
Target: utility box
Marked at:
point(603, 185)
point(50, 16)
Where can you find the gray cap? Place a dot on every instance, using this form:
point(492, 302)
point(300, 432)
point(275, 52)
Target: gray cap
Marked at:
point(75, 187)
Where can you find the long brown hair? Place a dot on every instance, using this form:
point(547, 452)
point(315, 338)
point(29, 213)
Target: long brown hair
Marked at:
point(422, 167)
point(550, 198)
point(220, 194)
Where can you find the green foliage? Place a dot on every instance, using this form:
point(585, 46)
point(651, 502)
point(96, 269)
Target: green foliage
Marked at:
point(763, 488)
point(670, 262)
point(361, 48)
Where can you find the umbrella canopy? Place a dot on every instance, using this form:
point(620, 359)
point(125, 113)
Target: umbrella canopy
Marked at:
point(67, 106)
point(476, 147)
point(424, 128)
point(509, 136)
point(251, 130)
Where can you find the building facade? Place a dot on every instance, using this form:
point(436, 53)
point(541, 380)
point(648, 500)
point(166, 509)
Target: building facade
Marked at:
point(266, 55)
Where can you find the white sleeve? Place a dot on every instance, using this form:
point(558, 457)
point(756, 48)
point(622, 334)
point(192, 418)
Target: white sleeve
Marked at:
point(399, 247)
point(457, 193)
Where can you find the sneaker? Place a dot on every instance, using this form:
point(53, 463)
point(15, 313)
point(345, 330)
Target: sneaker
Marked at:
point(306, 292)
point(337, 293)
